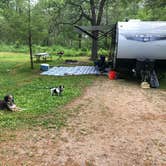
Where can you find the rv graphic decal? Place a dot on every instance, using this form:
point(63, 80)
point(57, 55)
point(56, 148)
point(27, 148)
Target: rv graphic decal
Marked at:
point(144, 37)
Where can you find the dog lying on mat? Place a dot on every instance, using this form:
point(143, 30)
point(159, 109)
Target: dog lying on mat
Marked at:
point(57, 90)
point(8, 104)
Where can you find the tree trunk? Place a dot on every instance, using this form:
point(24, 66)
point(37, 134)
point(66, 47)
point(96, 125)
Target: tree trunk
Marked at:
point(30, 50)
point(94, 50)
point(30, 36)
point(106, 38)
point(79, 40)
point(113, 42)
point(96, 20)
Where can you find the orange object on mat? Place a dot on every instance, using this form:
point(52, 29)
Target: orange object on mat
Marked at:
point(112, 75)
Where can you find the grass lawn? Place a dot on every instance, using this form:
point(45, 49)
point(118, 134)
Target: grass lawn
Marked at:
point(31, 92)
point(163, 81)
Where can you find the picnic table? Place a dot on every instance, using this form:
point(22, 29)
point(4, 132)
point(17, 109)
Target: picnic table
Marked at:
point(44, 56)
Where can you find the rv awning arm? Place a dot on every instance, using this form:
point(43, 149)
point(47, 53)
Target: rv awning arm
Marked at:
point(98, 28)
point(89, 34)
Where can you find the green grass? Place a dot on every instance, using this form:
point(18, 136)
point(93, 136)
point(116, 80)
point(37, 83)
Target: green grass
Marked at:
point(31, 92)
point(163, 81)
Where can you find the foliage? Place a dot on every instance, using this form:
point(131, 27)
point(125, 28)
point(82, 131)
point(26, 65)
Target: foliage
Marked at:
point(52, 50)
point(14, 48)
point(52, 21)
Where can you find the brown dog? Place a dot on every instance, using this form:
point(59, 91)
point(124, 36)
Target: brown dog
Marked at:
point(8, 104)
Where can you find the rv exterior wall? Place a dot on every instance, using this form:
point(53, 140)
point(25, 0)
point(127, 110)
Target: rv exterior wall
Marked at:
point(141, 40)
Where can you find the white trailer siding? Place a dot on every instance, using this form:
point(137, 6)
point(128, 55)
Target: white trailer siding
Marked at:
point(141, 39)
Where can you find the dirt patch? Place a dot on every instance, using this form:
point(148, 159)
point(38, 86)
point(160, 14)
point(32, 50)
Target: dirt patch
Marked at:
point(113, 123)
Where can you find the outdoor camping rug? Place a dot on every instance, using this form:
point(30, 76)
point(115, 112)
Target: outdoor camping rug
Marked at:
point(77, 70)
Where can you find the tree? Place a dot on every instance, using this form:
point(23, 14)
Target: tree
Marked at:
point(95, 21)
point(156, 9)
point(92, 11)
point(29, 33)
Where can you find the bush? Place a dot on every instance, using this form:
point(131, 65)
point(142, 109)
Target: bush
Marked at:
point(53, 50)
point(103, 52)
point(14, 48)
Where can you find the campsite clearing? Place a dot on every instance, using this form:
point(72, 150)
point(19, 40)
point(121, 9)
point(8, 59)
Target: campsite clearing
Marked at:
point(112, 123)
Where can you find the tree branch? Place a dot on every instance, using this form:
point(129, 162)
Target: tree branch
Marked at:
point(101, 7)
point(83, 14)
point(86, 16)
point(92, 5)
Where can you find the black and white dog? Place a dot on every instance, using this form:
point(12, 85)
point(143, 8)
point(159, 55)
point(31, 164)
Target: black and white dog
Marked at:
point(57, 90)
point(8, 103)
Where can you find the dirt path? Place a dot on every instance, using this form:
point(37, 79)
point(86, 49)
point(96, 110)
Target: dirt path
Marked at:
point(116, 124)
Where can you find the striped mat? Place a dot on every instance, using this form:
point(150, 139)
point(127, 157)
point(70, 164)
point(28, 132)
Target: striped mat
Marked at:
point(77, 70)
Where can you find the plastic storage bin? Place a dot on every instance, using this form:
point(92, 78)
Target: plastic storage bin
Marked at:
point(44, 67)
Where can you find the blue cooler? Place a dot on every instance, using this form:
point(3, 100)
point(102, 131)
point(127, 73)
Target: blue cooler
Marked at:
point(44, 67)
